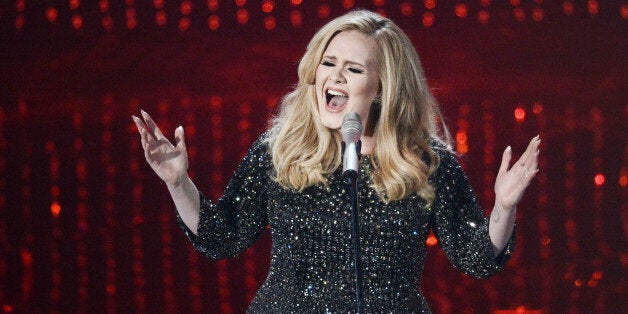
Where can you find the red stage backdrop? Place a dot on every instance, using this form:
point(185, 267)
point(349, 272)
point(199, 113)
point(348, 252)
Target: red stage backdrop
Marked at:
point(86, 226)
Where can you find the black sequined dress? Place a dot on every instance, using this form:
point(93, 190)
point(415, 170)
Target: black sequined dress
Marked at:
point(311, 267)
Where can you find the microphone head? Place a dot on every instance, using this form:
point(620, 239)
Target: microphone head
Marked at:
point(351, 127)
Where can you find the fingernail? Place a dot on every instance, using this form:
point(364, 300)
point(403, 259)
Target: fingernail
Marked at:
point(143, 112)
point(508, 148)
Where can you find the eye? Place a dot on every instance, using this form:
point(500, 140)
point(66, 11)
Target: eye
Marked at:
point(327, 64)
point(356, 71)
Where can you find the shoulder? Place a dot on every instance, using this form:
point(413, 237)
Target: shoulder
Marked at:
point(447, 161)
point(444, 152)
point(259, 150)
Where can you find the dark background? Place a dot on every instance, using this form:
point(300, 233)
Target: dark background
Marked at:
point(86, 226)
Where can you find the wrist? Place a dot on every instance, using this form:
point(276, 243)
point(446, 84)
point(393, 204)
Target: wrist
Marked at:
point(178, 182)
point(499, 206)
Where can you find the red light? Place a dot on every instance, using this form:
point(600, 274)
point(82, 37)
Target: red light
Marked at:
point(295, 18)
point(485, 3)
point(515, 3)
point(379, 3)
point(159, 4)
point(428, 19)
point(27, 257)
point(431, 240)
point(537, 108)
point(186, 7)
point(55, 209)
point(243, 16)
point(323, 11)
point(19, 21)
point(520, 15)
point(130, 13)
point(270, 23)
point(599, 179)
point(160, 18)
point(597, 275)
point(240, 3)
point(623, 181)
point(520, 114)
point(212, 5)
point(268, 6)
point(184, 24)
point(348, 4)
point(103, 6)
point(215, 103)
point(74, 4)
point(107, 23)
point(131, 23)
point(461, 137)
point(593, 7)
point(77, 21)
point(568, 8)
point(295, 2)
point(213, 22)
point(20, 5)
point(624, 11)
point(461, 10)
point(7, 308)
point(430, 4)
point(483, 17)
point(111, 289)
point(537, 14)
point(405, 8)
point(52, 14)
point(545, 241)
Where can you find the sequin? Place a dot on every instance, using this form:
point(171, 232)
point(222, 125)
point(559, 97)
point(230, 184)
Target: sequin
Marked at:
point(311, 267)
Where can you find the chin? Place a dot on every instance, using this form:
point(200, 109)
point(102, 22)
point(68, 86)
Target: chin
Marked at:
point(332, 125)
point(331, 120)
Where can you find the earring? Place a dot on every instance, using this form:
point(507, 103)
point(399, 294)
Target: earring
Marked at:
point(378, 100)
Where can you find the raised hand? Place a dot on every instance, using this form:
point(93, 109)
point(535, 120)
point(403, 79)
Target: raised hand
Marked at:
point(511, 184)
point(170, 162)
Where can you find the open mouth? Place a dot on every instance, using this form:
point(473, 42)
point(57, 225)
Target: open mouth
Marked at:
point(336, 99)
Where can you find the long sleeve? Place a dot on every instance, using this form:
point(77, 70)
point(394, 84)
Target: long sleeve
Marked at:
point(459, 222)
point(230, 226)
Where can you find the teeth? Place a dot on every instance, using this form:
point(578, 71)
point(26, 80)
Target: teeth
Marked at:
point(336, 93)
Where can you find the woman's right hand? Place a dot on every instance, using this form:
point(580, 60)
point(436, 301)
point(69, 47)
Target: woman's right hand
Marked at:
point(170, 162)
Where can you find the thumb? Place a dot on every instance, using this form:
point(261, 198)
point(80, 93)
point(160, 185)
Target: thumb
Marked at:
point(179, 138)
point(505, 160)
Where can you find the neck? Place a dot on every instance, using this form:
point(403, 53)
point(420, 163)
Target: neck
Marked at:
point(368, 144)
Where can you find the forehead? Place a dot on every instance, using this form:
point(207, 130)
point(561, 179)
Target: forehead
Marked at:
point(353, 46)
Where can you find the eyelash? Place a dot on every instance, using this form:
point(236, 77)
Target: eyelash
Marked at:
point(352, 70)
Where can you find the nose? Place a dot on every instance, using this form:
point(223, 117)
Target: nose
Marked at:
point(337, 77)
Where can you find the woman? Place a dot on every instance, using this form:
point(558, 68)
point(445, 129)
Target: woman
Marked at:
point(291, 179)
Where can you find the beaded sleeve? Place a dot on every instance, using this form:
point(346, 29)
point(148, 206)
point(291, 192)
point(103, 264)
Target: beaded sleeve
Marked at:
point(230, 226)
point(459, 222)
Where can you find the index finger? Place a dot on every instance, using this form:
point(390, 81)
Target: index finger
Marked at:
point(153, 129)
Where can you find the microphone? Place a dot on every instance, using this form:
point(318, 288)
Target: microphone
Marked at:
point(351, 132)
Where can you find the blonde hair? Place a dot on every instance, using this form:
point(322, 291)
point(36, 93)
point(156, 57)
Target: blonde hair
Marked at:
point(304, 152)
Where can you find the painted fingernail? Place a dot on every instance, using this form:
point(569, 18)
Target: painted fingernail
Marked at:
point(509, 148)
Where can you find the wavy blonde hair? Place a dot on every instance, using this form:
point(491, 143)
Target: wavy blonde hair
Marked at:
point(304, 152)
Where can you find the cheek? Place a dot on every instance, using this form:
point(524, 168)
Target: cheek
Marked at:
point(318, 78)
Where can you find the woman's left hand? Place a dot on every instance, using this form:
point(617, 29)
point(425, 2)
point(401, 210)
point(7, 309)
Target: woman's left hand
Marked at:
point(511, 184)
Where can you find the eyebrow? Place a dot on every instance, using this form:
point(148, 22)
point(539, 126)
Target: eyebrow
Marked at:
point(349, 62)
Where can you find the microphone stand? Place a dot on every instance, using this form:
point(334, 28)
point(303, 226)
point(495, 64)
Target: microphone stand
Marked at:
point(351, 181)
